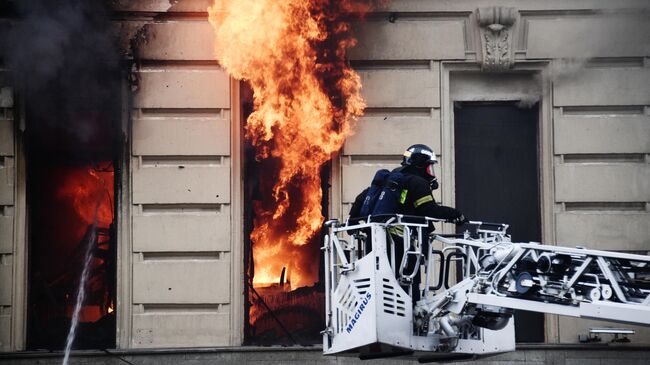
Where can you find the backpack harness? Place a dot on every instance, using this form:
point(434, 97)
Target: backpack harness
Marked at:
point(386, 193)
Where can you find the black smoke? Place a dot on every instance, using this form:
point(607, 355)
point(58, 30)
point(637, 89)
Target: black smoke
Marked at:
point(65, 65)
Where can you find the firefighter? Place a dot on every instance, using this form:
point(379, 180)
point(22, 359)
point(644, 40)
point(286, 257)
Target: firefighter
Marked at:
point(416, 199)
point(420, 182)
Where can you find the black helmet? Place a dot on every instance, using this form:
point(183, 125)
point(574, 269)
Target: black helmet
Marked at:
point(419, 156)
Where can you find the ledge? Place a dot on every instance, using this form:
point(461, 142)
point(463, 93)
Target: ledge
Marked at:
point(287, 349)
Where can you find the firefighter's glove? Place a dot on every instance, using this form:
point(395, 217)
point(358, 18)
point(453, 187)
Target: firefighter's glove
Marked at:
point(459, 220)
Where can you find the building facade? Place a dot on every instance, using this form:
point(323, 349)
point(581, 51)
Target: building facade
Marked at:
point(582, 65)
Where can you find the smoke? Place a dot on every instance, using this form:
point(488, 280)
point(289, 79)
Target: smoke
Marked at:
point(531, 96)
point(565, 69)
point(558, 71)
point(617, 42)
point(65, 64)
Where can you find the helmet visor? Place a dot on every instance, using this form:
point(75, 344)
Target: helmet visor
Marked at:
point(430, 171)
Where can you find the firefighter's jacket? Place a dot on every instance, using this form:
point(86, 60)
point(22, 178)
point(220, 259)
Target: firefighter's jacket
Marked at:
point(419, 200)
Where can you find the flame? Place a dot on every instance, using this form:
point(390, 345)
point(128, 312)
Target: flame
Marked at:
point(90, 193)
point(306, 99)
point(84, 196)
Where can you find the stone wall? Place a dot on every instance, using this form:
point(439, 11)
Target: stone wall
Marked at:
point(181, 243)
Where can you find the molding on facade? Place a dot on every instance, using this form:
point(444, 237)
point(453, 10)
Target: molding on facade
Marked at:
point(484, 90)
point(124, 267)
point(495, 27)
point(237, 242)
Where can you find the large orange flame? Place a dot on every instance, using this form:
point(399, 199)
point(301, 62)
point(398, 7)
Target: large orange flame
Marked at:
point(306, 97)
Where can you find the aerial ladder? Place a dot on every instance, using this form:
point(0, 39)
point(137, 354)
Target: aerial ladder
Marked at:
point(471, 283)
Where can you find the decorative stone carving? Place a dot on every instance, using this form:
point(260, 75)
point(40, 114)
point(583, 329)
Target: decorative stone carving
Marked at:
point(495, 25)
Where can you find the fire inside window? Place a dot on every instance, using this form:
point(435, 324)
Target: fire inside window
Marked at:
point(66, 70)
point(299, 103)
point(72, 159)
point(72, 244)
point(284, 280)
